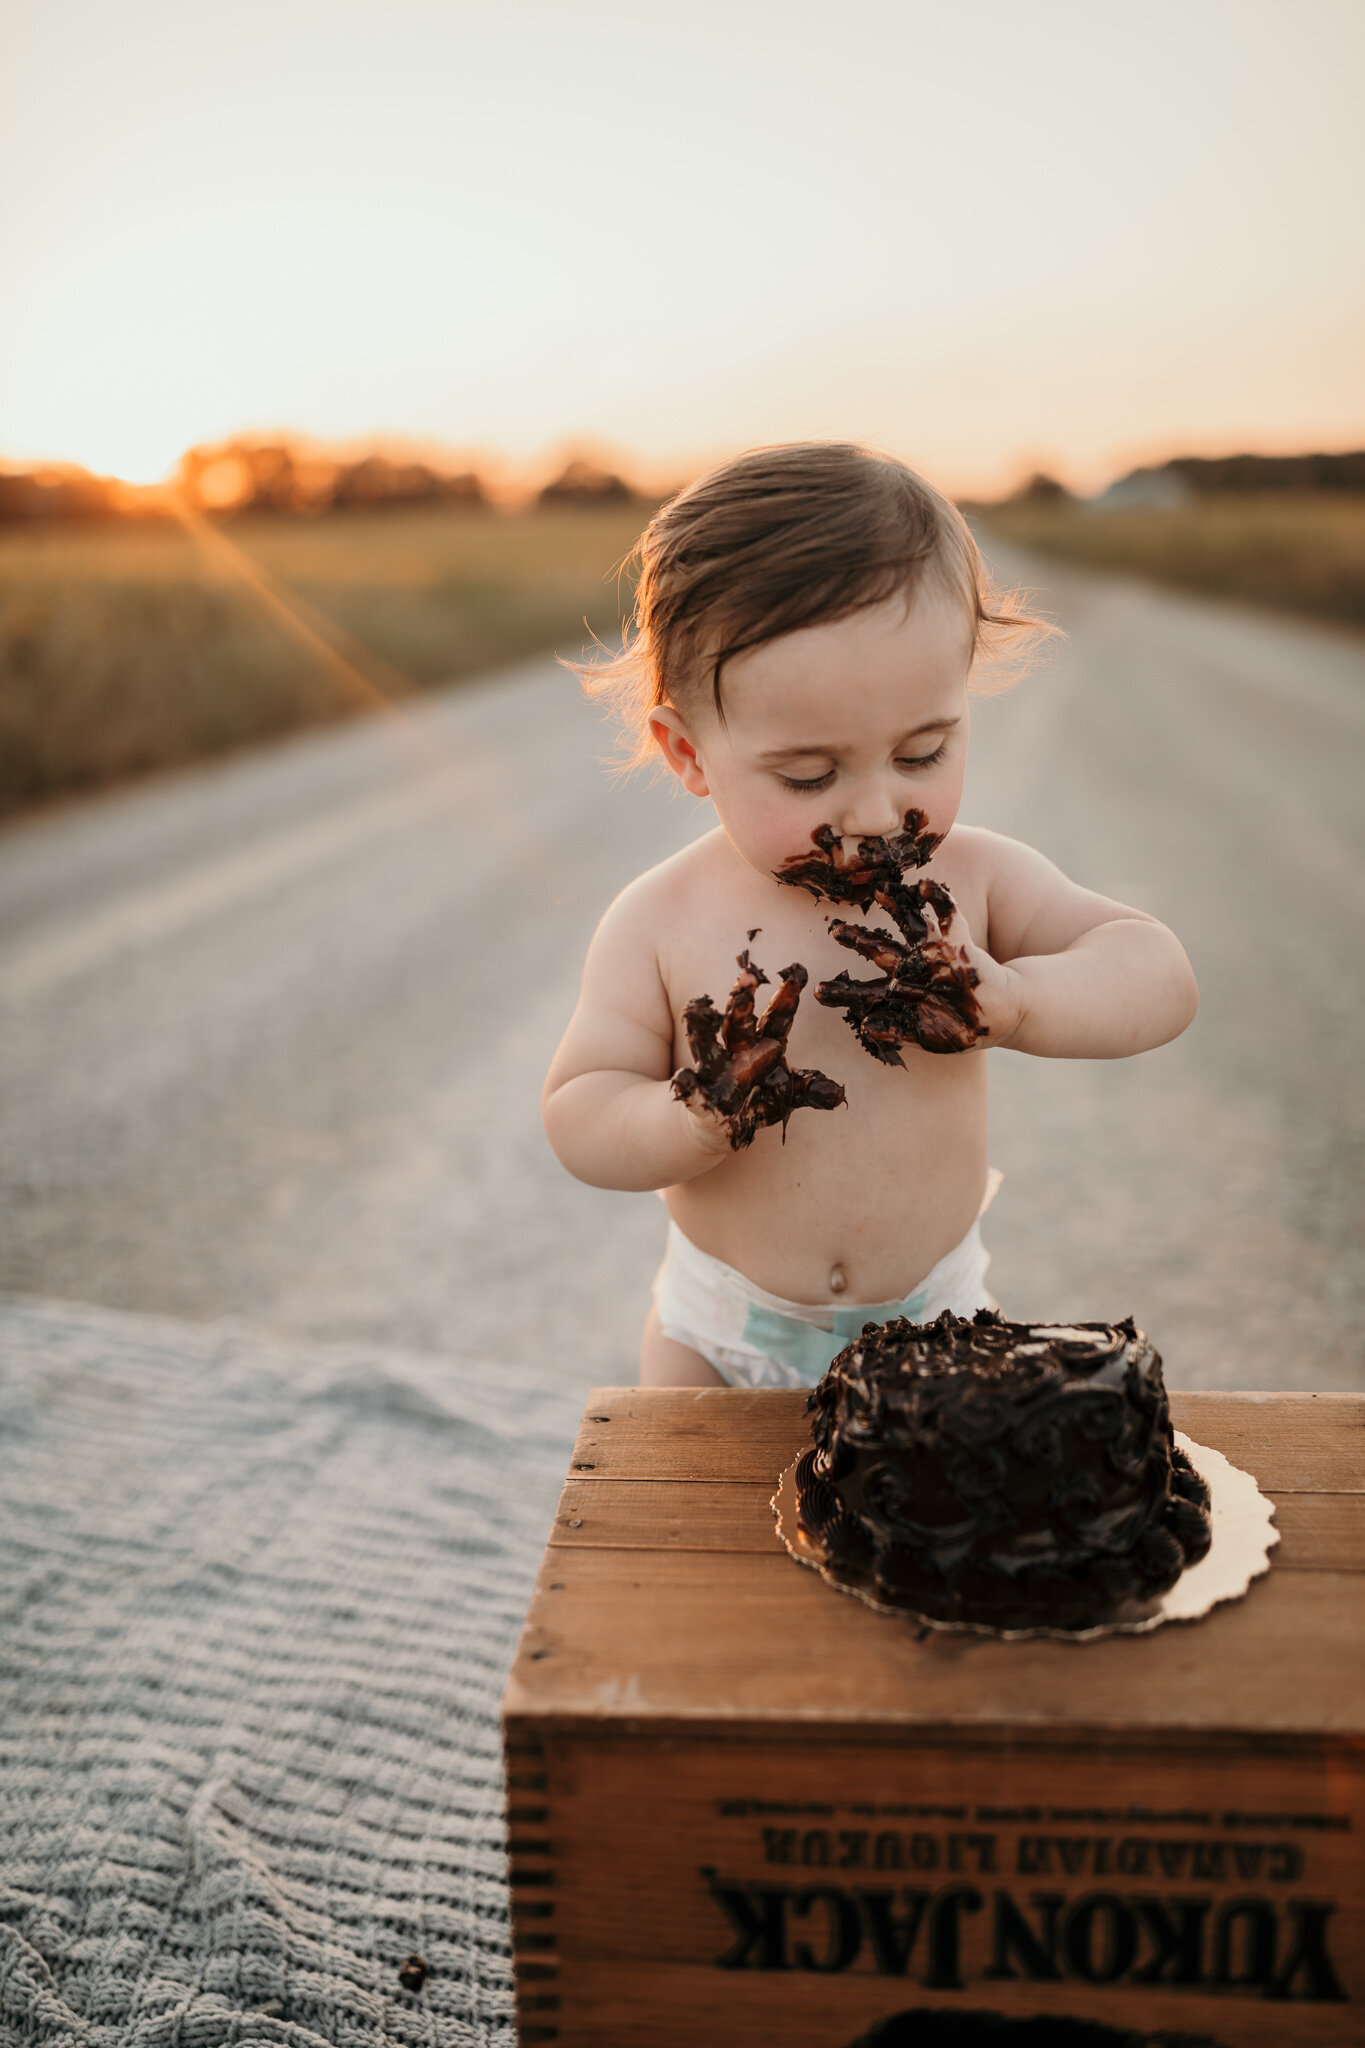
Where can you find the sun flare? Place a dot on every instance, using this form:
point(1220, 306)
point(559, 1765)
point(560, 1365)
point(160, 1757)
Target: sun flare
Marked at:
point(131, 455)
point(137, 444)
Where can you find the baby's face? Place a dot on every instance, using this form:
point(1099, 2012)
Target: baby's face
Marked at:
point(847, 724)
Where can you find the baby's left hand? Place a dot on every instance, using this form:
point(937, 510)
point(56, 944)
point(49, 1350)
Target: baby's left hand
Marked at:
point(999, 990)
point(927, 994)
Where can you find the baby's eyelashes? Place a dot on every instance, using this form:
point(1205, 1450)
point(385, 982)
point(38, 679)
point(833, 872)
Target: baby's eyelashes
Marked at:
point(904, 762)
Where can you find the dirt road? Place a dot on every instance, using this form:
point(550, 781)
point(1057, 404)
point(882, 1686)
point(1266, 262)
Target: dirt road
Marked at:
point(272, 1032)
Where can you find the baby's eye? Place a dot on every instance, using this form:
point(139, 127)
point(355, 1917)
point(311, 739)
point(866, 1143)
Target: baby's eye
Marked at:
point(811, 782)
point(923, 760)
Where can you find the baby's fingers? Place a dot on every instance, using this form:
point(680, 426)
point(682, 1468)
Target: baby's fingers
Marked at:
point(943, 912)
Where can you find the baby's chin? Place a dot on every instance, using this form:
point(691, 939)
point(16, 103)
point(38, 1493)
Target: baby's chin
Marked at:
point(761, 850)
point(762, 860)
point(762, 856)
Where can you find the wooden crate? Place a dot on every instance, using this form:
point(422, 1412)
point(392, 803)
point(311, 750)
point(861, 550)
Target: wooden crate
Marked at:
point(746, 1809)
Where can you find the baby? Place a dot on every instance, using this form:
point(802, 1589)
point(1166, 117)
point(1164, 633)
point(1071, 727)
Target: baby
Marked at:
point(806, 627)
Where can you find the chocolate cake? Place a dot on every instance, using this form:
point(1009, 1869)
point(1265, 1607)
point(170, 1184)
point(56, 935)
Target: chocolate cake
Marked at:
point(1017, 1475)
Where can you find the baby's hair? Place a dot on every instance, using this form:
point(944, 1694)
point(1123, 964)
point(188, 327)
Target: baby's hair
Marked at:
point(780, 538)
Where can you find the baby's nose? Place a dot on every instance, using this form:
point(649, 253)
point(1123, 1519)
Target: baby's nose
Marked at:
point(870, 814)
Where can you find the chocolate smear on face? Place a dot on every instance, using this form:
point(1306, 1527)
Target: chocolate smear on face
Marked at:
point(740, 1059)
point(859, 873)
point(924, 993)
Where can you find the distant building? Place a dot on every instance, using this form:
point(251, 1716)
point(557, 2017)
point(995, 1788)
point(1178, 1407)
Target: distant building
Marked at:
point(1185, 477)
point(1145, 490)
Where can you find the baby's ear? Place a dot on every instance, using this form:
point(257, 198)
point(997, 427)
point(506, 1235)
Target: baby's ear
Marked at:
point(675, 743)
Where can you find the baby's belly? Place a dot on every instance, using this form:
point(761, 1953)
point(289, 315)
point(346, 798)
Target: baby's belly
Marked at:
point(872, 1194)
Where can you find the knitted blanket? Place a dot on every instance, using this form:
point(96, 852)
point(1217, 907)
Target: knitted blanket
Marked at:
point(256, 1607)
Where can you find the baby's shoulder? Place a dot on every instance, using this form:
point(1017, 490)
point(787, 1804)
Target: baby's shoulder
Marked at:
point(655, 899)
point(973, 859)
point(982, 852)
point(998, 882)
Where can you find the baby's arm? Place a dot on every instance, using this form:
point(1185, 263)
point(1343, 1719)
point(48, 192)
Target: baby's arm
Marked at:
point(609, 1110)
point(1068, 974)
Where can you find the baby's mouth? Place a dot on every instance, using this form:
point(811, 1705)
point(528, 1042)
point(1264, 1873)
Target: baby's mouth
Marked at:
point(854, 871)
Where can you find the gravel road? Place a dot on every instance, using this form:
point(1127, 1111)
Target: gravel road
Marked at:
point(273, 1031)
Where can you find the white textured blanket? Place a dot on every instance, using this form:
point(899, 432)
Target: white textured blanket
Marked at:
point(256, 1606)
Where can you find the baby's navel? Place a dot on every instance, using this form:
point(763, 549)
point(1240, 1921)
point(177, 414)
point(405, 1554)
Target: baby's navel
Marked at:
point(838, 1280)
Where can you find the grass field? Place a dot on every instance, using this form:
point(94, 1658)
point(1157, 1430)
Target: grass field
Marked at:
point(136, 646)
point(1299, 553)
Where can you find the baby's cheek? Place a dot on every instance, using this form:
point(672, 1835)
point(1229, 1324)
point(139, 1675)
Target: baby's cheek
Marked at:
point(942, 801)
point(763, 827)
point(786, 836)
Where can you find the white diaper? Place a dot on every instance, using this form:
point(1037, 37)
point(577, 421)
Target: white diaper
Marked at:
point(756, 1339)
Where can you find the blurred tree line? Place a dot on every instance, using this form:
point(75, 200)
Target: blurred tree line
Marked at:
point(248, 474)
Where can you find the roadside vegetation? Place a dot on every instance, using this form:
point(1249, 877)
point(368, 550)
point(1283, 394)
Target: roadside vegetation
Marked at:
point(1294, 551)
point(291, 589)
point(132, 645)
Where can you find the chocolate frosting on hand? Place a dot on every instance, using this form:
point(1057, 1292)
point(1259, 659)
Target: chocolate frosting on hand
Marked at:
point(924, 995)
point(740, 1059)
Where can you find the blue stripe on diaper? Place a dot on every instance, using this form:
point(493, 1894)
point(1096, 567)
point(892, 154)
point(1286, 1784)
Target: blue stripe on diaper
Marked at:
point(808, 1351)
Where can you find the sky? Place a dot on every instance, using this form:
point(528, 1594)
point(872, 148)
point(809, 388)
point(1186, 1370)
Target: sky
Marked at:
point(1067, 234)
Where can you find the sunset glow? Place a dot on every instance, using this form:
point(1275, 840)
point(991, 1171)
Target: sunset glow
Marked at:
point(1061, 237)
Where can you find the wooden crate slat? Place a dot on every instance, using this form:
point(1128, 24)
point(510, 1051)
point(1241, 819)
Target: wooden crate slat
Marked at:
point(649, 1514)
point(694, 1633)
point(1323, 1530)
point(1289, 1442)
point(1318, 1532)
point(689, 1433)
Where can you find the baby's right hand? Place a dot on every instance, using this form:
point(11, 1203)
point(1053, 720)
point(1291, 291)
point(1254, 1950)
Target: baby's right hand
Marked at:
point(741, 1077)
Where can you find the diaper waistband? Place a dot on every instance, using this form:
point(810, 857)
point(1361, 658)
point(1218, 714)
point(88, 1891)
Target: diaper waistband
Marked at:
point(740, 1327)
